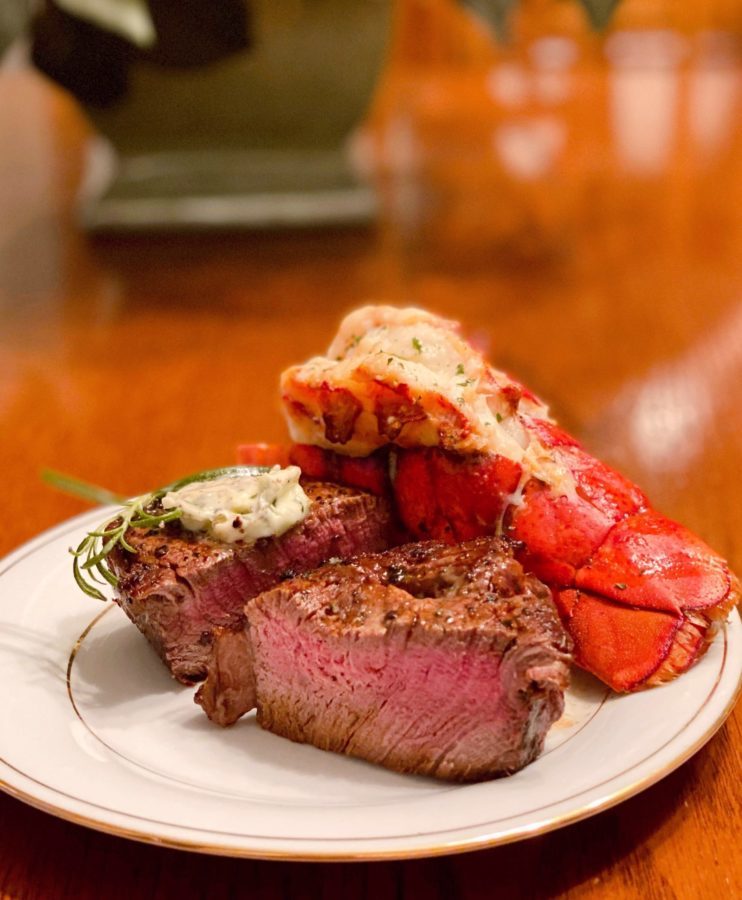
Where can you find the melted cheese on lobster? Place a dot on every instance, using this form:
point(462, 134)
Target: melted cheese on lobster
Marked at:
point(407, 377)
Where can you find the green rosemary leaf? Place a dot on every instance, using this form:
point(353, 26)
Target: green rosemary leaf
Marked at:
point(79, 488)
point(95, 558)
point(103, 533)
point(108, 575)
point(92, 576)
point(84, 585)
point(126, 545)
point(80, 549)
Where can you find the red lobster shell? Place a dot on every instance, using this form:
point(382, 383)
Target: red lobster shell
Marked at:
point(640, 594)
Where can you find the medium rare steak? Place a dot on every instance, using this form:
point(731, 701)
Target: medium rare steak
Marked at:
point(180, 584)
point(429, 658)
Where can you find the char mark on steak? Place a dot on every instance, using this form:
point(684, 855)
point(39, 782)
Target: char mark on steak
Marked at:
point(429, 658)
point(179, 586)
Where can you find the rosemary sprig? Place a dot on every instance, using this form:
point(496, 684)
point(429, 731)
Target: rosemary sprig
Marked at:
point(83, 489)
point(90, 565)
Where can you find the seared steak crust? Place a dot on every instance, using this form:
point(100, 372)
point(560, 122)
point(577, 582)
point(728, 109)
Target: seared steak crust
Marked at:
point(429, 658)
point(180, 585)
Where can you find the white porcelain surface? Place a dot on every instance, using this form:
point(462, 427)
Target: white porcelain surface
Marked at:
point(107, 738)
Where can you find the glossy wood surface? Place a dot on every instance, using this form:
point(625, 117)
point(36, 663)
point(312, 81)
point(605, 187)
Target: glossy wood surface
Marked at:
point(128, 361)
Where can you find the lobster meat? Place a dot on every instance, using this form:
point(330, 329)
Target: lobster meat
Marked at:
point(402, 405)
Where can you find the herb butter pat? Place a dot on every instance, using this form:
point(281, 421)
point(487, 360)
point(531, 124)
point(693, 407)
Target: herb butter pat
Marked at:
point(244, 507)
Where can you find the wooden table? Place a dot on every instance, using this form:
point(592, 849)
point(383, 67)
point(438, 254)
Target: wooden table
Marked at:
point(129, 361)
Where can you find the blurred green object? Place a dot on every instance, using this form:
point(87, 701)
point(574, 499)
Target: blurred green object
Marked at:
point(600, 12)
point(496, 13)
point(14, 16)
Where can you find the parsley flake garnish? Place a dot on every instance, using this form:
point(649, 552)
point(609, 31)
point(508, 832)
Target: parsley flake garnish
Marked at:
point(460, 369)
point(417, 345)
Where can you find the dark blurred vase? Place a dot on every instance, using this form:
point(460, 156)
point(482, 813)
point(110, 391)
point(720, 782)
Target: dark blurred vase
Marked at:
point(257, 138)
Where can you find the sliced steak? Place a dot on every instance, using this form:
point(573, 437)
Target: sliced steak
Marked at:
point(429, 658)
point(180, 585)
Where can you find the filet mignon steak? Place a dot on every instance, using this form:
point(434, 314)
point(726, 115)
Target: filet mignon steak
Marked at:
point(180, 585)
point(428, 658)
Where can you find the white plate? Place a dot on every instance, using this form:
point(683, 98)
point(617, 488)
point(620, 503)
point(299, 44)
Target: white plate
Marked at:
point(94, 730)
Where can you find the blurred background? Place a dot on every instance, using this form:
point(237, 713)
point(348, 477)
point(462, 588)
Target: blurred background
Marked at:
point(183, 179)
point(489, 126)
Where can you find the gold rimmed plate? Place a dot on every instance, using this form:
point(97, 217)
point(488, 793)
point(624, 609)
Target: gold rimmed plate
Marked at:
point(95, 731)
